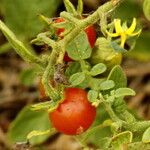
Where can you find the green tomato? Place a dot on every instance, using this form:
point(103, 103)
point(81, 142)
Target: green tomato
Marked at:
point(104, 53)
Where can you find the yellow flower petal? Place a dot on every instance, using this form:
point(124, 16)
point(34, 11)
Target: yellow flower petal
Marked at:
point(112, 34)
point(136, 33)
point(118, 27)
point(132, 27)
point(123, 39)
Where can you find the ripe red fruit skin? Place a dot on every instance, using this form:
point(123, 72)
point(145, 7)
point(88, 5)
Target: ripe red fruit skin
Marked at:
point(75, 114)
point(90, 32)
point(60, 30)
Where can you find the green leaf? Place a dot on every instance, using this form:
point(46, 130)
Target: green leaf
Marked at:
point(26, 122)
point(118, 76)
point(124, 92)
point(146, 136)
point(28, 76)
point(104, 142)
point(94, 83)
point(92, 96)
point(98, 69)
point(77, 78)
point(18, 45)
point(73, 68)
point(146, 9)
point(21, 16)
point(80, 7)
point(106, 85)
point(69, 7)
point(79, 47)
point(120, 139)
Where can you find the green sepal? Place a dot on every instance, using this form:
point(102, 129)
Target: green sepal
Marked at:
point(80, 7)
point(69, 7)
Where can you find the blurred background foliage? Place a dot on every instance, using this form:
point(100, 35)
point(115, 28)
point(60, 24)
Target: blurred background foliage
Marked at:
point(21, 16)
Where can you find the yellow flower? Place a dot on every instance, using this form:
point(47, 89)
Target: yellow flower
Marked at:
point(123, 31)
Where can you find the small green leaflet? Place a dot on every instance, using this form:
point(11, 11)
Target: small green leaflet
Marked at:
point(73, 68)
point(77, 78)
point(146, 136)
point(79, 47)
point(124, 92)
point(92, 95)
point(106, 85)
point(98, 69)
point(120, 139)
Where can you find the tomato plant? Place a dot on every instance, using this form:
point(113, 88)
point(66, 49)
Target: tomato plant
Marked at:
point(75, 114)
point(92, 82)
point(90, 32)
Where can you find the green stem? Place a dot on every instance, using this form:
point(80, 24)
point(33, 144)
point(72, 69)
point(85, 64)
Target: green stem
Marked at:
point(50, 91)
point(139, 126)
point(110, 111)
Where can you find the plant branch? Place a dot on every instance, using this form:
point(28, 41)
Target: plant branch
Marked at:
point(19, 46)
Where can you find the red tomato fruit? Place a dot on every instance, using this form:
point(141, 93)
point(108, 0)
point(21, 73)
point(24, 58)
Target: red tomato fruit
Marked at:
point(75, 114)
point(90, 31)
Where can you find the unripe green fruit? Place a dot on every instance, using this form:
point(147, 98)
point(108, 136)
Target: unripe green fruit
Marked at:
point(104, 53)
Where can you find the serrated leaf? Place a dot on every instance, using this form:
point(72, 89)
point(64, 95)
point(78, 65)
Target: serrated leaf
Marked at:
point(106, 85)
point(80, 7)
point(69, 7)
point(79, 47)
point(118, 76)
point(27, 121)
point(146, 136)
point(77, 78)
point(98, 69)
point(28, 76)
point(21, 16)
point(124, 92)
point(120, 139)
point(92, 96)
